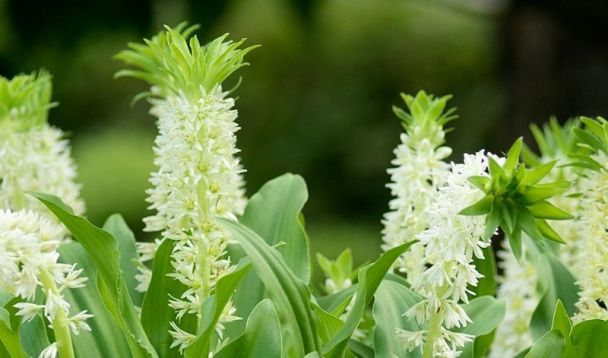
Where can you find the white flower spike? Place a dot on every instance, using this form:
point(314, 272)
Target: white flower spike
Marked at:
point(199, 176)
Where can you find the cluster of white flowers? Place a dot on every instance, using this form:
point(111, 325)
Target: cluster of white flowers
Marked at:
point(591, 269)
point(28, 252)
point(419, 169)
point(198, 178)
point(35, 156)
point(518, 290)
point(450, 243)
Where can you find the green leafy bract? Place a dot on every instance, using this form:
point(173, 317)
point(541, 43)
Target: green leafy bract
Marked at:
point(515, 201)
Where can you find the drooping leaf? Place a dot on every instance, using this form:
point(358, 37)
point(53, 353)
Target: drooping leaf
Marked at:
point(290, 295)
point(118, 228)
point(102, 248)
point(550, 345)
point(369, 280)
point(274, 214)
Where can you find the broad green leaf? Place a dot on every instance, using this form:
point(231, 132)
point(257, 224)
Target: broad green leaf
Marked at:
point(486, 312)
point(105, 338)
point(156, 315)
point(33, 336)
point(262, 336)
point(551, 345)
point(555, 283)
point(486, 267)
point(118, 228)
point(588, 339)
point(290, 295)
point(369, 280)
point(212, 310)
point(9, 339)
point(561, 321)
point(392, 300)
point(274, 214)
point(102, 247)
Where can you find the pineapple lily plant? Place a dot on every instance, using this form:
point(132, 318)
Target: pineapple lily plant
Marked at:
point(490, 255)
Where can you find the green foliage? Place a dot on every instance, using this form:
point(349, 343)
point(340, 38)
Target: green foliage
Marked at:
point(515, 201)
point(103, 250)
point(339, 271)
point(553, 141)
point(426, 118)
point(594, 139)
point(25, 100)
point(174, 62)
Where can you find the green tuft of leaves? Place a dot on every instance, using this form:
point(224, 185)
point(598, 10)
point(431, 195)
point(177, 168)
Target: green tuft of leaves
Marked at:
point(175, 62)
point(426, 118)
point(516, 202)
point(593, 138)
point(25, 100)
point(553, 140)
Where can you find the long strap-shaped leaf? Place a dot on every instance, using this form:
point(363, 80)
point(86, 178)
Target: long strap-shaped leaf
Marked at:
point(369, 280)
point(290, 295)
point(103, 250)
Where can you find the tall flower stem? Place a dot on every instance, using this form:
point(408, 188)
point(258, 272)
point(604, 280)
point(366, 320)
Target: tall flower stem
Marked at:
point(60, 320)
point(433, 333)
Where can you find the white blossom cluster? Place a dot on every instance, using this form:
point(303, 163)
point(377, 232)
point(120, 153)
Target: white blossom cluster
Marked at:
point(29, 257)
point(591, 269)
point(518, 290)
point(419, 170)
point(198, 178)
point(450, 243)
point(35, 156)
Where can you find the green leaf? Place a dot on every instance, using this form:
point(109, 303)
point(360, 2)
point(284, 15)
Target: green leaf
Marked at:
point(105, 338)
point(551, 345)
point(513, 155)
point(546, 210)
point(361, 349)
point(515, 243)
point(118, 228)
point(540, 192)
point(290, 295)
point(487, 267)
point(527, 223)
point(493, 220)
point(262, 336)
point(534, 175)
point(369, 280)
point(329, 324)
point(336, 302)
point(561, 321)
point(102, 247)
point(486, 312)
point(548, 232)
point(33, 336)
point(588, 339)
point(556, 283)
point(274, 214)
point(481, 182)
point(392, 300)
point(483, 206)
point(9, 339)
point(156, 315)
point(212, 310)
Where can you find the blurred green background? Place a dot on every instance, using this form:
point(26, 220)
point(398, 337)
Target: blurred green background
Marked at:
point(317, 97)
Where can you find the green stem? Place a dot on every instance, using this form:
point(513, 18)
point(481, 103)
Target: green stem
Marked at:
point(61, 328)
point(204, 267)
